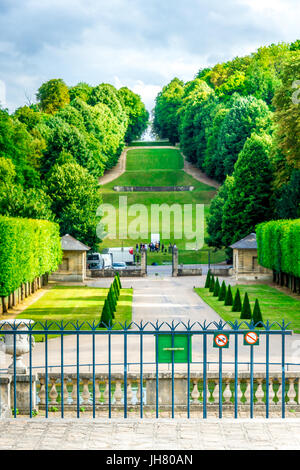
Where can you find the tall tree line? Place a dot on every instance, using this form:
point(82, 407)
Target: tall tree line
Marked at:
point(239, 121)
point(53, 152)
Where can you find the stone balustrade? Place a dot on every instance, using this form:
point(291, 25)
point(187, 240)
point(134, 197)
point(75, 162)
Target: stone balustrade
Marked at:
point(148, 391)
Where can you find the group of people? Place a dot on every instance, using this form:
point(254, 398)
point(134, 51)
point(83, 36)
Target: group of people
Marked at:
point(155, 247)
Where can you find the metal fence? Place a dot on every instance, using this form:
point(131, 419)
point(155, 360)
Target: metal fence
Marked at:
point(177, 361)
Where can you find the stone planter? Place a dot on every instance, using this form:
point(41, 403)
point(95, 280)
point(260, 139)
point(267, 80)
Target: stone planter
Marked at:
point(22, 343)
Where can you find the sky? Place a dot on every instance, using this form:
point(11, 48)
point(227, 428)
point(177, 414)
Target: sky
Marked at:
point(136, 43)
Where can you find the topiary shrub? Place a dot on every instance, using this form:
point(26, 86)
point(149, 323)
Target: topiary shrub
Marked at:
point(222, 292)
point(106, 315)
point(207, 282)
point(216, 288)
point(246, 309)
point(257, 315)
point(228, 297)
point(237, 303)
point(212, 283)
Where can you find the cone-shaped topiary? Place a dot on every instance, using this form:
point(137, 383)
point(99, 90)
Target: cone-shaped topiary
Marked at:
point(207, 282)
point(106, 315)
point(246, 309)
point(116, 288)
point(216, 288)
point(212, 283)
point(237, 303)
point(228, 297)
point(112, 302)
point(222, 292)
point(257, 316)
point(119, 280)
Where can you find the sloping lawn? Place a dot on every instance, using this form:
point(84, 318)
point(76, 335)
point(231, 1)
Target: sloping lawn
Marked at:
point(275, 305)
point(77, 303)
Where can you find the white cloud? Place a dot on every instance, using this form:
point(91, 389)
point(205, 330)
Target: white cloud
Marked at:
point(133, 43)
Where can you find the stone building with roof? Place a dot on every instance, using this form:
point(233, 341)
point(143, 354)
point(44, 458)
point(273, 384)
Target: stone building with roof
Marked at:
point(245, 260)
point(73, 265)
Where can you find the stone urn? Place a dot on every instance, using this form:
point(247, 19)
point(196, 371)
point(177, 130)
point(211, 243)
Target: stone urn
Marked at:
point(22, 342)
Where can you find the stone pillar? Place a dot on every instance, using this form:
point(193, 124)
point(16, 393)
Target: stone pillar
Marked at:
point(175, 262)
point(143, 262)
point(165, 391)
point(23, 393)
point(5, 402)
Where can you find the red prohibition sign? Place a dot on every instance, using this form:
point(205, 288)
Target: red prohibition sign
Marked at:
point(251, 337)
point(221, 340)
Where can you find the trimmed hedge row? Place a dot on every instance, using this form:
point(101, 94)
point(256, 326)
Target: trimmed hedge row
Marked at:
point(225, 294)
point(278, 244)
point(28, 248)
point(110, 303)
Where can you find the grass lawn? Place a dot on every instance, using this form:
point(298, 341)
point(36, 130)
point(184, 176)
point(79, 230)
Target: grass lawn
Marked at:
point(274, 305)
point(156, 167)
point(76, 303)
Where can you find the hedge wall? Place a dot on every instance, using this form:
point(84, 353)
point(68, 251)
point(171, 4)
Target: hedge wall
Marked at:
point(28, 249)
point(278, 244)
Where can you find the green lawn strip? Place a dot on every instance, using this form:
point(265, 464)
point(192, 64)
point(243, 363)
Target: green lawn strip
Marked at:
point(153, 159)
point(185, 257)
point(141, 160)
point(275, 305)
point(76, 303)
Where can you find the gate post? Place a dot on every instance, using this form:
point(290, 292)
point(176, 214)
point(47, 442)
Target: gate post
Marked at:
point(143, 262)
point(175, 262)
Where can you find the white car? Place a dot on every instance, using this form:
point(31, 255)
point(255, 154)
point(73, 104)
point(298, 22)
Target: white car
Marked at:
point(120, 265)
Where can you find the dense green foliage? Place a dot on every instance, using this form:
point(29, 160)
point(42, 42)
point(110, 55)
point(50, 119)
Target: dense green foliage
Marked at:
point(28, 248)
point(53, 152)
point(136, 113)
point(239, 121)
point(278, 244)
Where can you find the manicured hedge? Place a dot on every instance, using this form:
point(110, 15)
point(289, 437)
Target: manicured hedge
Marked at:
point(278, 244)
point(28, 248)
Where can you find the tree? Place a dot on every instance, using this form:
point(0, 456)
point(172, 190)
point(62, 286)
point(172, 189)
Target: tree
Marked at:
point(193, 117)
point(216, 288)
point(249, 199)
point(237, 303)
point(212, 283)
point(228, 298)
point(75, 200)
point(106, 315)
point(82, 91)
point(167, 104)
point(53, 95)
point(257, 316)
point(246, 309)
point(287, 116)
point(222, 292)
point(214, 219)
point(246, 115)
point(136, 112)
point(207, 281)
point(288, 198)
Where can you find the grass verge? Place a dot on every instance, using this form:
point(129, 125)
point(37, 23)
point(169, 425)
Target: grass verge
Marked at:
point(275, 305)
point(76, 303)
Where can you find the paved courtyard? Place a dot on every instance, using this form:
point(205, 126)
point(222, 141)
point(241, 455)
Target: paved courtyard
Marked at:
point(83, 434)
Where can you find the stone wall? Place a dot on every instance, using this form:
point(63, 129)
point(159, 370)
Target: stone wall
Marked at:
point(152, 188)
point(72, 268)
point(245, 265)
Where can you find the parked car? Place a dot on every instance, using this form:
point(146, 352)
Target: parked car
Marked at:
point(93, 266)
point(118, 266)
